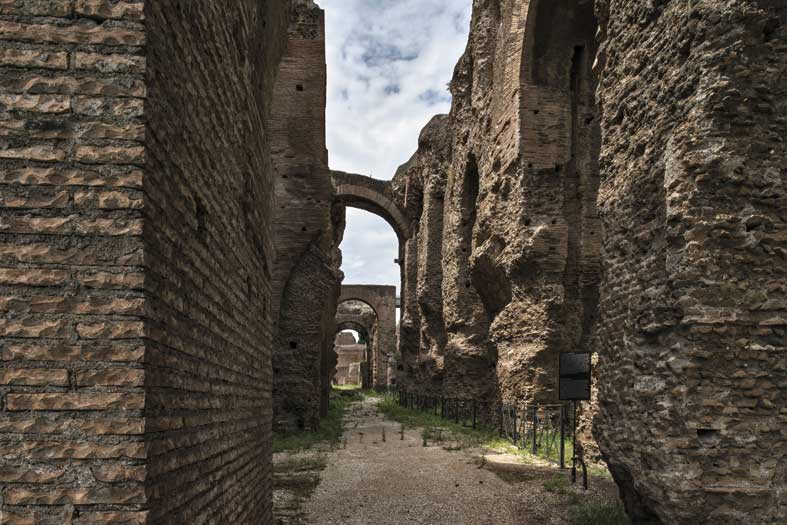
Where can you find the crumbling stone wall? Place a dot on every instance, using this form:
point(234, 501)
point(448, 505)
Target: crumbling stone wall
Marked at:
point(306, 278)
point(692, 316)
point(419, 188)
point(133, 263)
point(688, 321)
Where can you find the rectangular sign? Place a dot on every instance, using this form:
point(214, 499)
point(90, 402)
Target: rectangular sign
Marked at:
point(574, 376)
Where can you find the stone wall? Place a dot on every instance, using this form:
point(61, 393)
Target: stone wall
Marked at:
point(307, 228)
point(687, 325)
point(692, 373)
point(134, 260)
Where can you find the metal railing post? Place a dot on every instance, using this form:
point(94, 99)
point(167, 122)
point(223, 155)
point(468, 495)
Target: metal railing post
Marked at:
point(515, 433)
point(535, 428)
point(562, 436)
point(474, 414)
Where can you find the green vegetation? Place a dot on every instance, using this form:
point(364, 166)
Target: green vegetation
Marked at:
point(330, 426)
point(558, 484)
point(469, 437)
point(466, 436)
point(599, 513)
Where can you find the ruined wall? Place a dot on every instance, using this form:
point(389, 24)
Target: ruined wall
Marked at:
point(535, 254)
point(692, 330)
point(136, 371)
point(306, 277)
point(689, 181)
point(419, 187)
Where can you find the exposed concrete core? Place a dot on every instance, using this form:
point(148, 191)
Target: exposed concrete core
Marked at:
point(382, 300)
point(692, 374)
point(684, 276)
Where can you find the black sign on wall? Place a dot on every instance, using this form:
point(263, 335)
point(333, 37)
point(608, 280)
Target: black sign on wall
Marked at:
point(574, 376)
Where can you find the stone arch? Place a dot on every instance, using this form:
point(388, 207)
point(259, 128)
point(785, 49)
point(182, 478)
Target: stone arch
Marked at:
point(382, 300)
point(351, 325)
point(366, 326)
point(374, 196)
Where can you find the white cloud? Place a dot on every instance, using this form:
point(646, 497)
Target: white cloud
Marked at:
point(389, 63)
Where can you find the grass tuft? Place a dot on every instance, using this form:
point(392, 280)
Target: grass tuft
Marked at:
point(557, 485)
point(330, 431)
point(599, 513)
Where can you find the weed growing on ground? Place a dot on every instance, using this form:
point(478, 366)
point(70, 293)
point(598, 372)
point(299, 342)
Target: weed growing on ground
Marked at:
point(599, 513)
point(557, 484)
point(330, 426)
point(465, 436)
point(468, 437)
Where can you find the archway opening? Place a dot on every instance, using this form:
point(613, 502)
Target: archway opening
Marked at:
point(370, 251)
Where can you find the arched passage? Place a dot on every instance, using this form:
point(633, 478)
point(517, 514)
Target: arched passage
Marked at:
point(382, 300)
point(362, 318)
point(372, 195)
point(377, 197)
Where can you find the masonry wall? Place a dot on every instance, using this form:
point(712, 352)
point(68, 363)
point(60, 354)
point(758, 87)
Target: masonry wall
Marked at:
point(209, 256)
point(306, 278)
point(72, 149)
point(692, 330)
point(134, 266)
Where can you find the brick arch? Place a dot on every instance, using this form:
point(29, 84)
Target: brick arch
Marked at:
point(372, 195)
point(341, 326)
point(382, 300)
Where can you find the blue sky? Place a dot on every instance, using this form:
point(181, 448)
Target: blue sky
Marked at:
point(389, 64)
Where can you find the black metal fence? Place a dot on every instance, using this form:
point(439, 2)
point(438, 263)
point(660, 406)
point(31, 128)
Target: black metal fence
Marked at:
point(460, 411)
point(543, 430)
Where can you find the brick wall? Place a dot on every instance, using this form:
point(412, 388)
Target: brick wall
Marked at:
point(71, 261)
point(208, 252)
point(305, 277)
point(135, 249)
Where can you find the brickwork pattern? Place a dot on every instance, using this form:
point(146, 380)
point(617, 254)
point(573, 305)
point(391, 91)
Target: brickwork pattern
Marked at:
point(133, 281)
point(72, 149)
point(306, 277)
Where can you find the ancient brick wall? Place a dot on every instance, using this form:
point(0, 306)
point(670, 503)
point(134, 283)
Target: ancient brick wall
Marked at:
point(72, 90)
point(692, 329)
point(209, 255)
point(307, 228)
point(136, 376)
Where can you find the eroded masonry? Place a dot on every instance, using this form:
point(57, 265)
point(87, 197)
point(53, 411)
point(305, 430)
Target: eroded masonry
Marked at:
point(610, 179)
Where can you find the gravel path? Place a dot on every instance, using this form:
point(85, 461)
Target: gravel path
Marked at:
point(369, 481)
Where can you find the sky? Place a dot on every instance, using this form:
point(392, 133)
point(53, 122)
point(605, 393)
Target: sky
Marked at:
point(389, 64)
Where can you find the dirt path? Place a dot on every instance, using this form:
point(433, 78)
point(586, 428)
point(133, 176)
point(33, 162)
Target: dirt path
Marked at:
point(373, 479)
